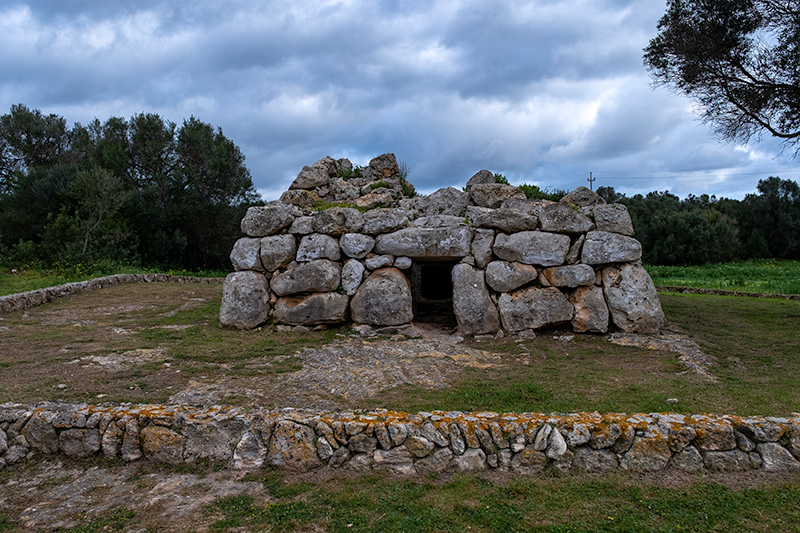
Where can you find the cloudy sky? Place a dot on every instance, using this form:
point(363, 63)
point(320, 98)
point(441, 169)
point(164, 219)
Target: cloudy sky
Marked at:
point(544, 91)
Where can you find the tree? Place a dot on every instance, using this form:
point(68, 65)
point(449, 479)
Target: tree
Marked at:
point(738, 59)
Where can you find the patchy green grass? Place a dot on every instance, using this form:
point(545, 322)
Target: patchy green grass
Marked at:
point(14, 280)
point(613, 503)
point(767, 276)
point(115, 519)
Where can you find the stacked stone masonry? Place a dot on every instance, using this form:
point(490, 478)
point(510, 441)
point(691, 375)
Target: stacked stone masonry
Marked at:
point(400, 443)
point(515, 265)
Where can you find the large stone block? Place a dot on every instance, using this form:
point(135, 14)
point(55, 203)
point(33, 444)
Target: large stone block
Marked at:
point(318, 246)
point(494, 194)
point(503, 276)
point(569, 276)
point(311, 177)
point(245, 300)
point(426, 242)
point(447, 201)
point(320, 275)
point(482, 247)
point(591, 311)
point(356, 245)
point(503, 219)
point(162, 445)
point(581, 197)
point(613, 218)
point(311, 309)
point(293, 446)
point(338, 221)
point(532, 247)
point(560, 218)
point(277, 251)
point(602, 247)
point(384, 220)
point(269, 219)
point(632, 299)
point(534, 308)
point(352, 275)
point(475, 312)
point(245, 254)
point(383, 299)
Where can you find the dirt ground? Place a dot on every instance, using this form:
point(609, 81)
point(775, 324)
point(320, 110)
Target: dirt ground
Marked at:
point(161, 343)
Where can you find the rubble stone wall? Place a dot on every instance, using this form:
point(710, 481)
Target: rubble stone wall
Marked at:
point(400, 443)
point(29, 299)
point(340, 244)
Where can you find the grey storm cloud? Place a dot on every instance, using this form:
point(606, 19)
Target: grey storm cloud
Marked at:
point(544, 91)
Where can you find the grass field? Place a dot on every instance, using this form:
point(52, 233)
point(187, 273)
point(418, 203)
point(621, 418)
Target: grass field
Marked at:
point(767, 276)
point(14, 280)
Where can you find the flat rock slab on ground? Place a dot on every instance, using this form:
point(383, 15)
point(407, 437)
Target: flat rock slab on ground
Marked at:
point(335, 375)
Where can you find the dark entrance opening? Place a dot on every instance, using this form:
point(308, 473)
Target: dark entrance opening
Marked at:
point(432, 292)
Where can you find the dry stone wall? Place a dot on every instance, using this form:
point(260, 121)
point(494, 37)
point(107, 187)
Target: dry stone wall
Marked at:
point(400, 443)
point(515, 265)
point(29, 299)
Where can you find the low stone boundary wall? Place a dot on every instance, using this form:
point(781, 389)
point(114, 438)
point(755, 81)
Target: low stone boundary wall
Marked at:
point(400, 443)
point(720, 292)
point(26, 300)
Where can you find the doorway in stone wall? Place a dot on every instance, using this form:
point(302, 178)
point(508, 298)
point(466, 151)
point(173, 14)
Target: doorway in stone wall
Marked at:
point(432, 292)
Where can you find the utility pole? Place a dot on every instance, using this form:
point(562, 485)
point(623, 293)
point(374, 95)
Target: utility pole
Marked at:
point(591, 181)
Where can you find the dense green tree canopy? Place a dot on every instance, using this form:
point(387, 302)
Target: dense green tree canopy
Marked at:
point(738, 59)
point(139, 191)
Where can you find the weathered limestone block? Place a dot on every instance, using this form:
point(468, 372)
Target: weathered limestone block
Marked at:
point(337, 221)
point(245, 254)
point(447, 201)
point(162, 445)
point(269, 219)
point(374, 262)
point(293, 446)
point(503, 219)
point(403, 263)
point(311, 177)
point(438, 221)
point(302, 226)
point(647, 454)
point(250, 452)
point(356, 245)
point(352, 274)
point(320, 275)
point(730, 461)
point(560, 218)
point(529, 461)
point(632, 299)
point(378, 198)
point(569, 276)
point(40, 433)
point(79, 442)
point(591, 311)
point(613, 218)
point(397, 461)
point(214, 441)
point(494, 194)
point(602, 247)
point(131, 445)
point(245, 300)
point(582, 197)
point(311, 309)
point(426, 242)
point(300, 197)
point(688, 460)
point(591, 460)
point(574, 254)
point(776, 458)
point(384, 220)
point(532, 247)
point(318, 246)
point(112, 440)
point(277, 251)
point(503, 276)
point(482, 177)
point(438, 461)
point(381, 167)
point(482, 247)
point(475, 312)
point(534, 308)
point(714, 436)
point(384, 299)
point(472, 460)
